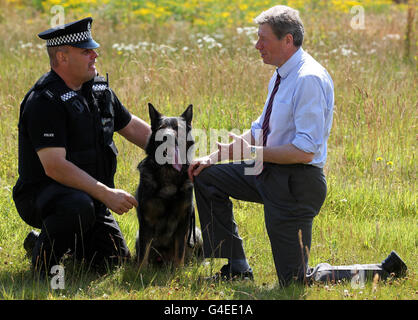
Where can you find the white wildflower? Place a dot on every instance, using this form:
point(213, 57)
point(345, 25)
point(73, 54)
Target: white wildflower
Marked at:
point(348, 52)
point(392, 37)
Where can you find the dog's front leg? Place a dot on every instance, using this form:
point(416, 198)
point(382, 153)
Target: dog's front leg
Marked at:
point(144, 242)
point(179, 251)
point(145, 260)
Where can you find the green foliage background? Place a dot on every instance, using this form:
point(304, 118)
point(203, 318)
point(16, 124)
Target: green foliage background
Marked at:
point(177, 59)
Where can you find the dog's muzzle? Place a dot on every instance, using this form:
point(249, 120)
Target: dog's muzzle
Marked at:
point(171, 152)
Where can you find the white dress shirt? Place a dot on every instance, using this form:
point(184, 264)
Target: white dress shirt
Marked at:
point(302, 108)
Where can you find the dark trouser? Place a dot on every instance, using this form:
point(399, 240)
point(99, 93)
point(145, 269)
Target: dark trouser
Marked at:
point(292, 196)
point(71, 220)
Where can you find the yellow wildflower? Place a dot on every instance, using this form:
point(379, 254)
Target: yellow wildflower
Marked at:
point(142, 12)
point(243, 7)
point(200, 22)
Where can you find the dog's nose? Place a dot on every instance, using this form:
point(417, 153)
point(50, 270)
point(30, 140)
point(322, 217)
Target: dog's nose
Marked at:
point(171, 132)
point(171, 136)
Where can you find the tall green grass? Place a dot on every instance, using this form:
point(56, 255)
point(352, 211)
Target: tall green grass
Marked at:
point(371, 170)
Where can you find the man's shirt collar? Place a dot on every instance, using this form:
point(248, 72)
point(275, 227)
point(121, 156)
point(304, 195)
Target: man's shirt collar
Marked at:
point(290, 64)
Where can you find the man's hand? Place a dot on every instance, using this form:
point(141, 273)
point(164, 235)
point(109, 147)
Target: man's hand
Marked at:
point(119, 201)
point(237, 150)
point(198, 165)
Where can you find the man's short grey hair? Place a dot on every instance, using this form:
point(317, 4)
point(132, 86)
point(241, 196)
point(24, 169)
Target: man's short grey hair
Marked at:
point(52, 53)
point(283, 20)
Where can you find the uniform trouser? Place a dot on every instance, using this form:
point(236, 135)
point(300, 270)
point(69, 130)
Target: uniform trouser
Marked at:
point(292, 196)
point(71, 220)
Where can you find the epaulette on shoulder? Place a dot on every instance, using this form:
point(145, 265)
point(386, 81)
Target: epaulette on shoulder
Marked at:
point(44, 86)
point(52, 89)
point(49, 94)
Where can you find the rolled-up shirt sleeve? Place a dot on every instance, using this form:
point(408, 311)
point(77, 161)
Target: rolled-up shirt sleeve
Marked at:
point(309, 114)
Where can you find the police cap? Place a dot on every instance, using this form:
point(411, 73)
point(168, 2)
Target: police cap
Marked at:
point(76, 34)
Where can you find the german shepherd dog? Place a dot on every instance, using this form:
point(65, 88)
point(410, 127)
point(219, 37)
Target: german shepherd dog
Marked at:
point(167, 232)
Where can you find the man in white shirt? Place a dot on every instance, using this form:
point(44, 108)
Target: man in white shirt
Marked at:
point(290, 138)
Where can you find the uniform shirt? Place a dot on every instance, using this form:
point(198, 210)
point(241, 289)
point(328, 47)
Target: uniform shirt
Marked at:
point(302, 108)
point(43, 124)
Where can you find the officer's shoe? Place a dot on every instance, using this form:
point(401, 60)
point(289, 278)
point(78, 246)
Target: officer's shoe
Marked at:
point(29, 242)
point(394, 264)
point(227, 274)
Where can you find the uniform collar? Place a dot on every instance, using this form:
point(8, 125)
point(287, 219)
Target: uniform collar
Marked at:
point(86, 87)
point(288, 66)
point(54, 75)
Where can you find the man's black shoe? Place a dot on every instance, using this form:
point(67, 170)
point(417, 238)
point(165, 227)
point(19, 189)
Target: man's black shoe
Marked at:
point(227, 274)
point(30, 241)
point(394, 264)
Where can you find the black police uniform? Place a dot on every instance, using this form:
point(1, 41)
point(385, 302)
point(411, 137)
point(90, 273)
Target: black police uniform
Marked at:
point(82, 122)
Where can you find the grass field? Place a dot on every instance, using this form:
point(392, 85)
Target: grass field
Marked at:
point(175, 59)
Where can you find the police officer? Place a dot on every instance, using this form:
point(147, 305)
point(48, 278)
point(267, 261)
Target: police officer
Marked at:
point(67, 156)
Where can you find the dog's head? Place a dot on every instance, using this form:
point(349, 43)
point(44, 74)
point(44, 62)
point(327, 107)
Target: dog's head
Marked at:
point(171, 142)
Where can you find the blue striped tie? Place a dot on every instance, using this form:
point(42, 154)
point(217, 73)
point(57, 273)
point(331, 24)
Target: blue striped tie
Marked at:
point(266, 121)
point(259, 166)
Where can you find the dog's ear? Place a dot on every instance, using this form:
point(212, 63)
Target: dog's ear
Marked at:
point(154, 115)
point(188, 114)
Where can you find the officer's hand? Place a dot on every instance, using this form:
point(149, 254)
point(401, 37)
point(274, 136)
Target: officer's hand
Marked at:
point(119, 201)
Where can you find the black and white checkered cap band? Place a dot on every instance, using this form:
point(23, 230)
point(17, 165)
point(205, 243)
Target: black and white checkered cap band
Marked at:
point(69, 38)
